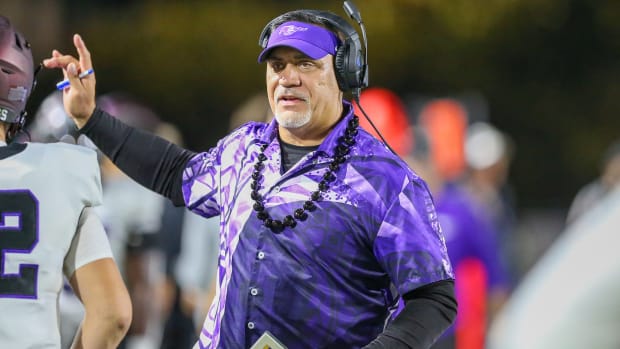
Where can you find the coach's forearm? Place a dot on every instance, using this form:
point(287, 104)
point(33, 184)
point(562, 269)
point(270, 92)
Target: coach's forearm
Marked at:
point(149, 160)
point(428, 312)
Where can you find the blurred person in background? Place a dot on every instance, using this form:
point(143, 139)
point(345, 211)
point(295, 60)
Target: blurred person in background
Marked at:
point(319, 219)
point(49, 230)
point(255, 108)
point(488, 156)
point(481, 285)
point(51, 123)
point(178, 324)
point(482, 279)
point(196, 270)
point(445, 121)
point(388, 115)
point(570, 298)
point(132, 216)
point(609, 178)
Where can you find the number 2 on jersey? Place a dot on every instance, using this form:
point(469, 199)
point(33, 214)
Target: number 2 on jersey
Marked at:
point(19, 233)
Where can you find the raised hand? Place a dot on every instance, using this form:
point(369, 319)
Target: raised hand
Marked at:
point(79, 96)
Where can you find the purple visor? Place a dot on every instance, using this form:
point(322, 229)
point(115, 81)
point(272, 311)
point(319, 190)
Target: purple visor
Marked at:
point(314, 41)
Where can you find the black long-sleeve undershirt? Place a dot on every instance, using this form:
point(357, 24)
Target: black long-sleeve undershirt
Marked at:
point(429, 311)
point(149, 160)
point(158, 165)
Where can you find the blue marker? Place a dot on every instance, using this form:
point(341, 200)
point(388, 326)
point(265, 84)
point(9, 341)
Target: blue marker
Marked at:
point(61, 85)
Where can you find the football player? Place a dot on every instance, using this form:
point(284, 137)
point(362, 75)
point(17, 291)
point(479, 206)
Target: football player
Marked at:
point(47, 226)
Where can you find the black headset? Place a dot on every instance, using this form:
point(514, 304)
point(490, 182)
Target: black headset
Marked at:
point(350, 61)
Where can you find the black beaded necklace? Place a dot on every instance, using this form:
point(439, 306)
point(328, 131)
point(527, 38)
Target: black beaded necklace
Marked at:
point(345, 143)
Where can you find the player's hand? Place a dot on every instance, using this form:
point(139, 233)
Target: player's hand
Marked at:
point(79, 96)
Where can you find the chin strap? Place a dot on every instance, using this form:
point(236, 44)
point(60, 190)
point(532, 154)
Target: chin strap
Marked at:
point(16, 127)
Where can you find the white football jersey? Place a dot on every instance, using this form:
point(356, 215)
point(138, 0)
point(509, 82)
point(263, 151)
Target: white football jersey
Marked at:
point(45, 229)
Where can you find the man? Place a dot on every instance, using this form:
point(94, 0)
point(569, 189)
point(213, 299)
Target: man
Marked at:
point(321, 226)
point(47, 192)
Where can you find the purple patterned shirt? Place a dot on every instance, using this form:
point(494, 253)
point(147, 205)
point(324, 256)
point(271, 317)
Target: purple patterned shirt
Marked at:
point(326, 282)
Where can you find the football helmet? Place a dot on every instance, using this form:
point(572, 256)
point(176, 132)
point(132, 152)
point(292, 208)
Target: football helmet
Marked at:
point(16, 75)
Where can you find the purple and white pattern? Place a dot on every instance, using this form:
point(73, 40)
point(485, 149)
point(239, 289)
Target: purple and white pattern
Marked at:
point(326, 282)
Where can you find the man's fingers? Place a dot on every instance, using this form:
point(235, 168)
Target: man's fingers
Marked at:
point(59, 61)
point(85, 60)
point(83, 53)
point(79, 93)
point(72, 74)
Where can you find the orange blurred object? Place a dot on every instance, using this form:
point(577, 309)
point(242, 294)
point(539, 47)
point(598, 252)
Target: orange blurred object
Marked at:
point(445, 121)
point(388, 114)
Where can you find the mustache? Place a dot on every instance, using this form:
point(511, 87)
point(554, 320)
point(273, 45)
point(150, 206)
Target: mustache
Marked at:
point(289, 93)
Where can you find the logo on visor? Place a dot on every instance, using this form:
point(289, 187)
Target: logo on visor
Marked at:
point(290, 30)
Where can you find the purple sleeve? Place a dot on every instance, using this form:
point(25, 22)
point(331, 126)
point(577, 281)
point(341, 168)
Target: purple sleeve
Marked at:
point(409, 244)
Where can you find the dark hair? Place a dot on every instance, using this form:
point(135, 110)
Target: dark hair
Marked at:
point(306, 17)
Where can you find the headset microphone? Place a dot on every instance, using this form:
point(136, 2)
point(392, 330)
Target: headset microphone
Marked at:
point(352, 11)
point(355, 14)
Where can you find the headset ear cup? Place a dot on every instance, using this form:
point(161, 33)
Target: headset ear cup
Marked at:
point(340, 67)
